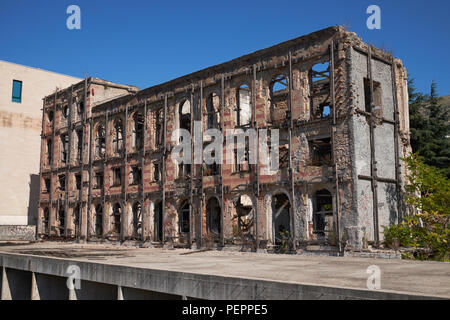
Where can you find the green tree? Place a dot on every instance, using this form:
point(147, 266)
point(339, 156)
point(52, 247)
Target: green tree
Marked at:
point(429, 127)
point(428, 193)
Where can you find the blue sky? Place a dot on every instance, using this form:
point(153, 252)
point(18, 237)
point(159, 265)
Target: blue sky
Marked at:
point(148, 42)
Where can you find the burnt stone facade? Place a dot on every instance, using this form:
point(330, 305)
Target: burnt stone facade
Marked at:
point(340, 108)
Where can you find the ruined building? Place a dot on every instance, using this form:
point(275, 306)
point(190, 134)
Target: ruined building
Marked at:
point(341, 110)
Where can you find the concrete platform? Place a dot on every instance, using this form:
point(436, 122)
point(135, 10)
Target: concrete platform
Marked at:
point(183, 273)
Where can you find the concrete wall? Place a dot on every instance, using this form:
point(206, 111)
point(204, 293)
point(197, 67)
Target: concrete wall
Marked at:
point(20, 128)
point(384, 149)
point(26, 233)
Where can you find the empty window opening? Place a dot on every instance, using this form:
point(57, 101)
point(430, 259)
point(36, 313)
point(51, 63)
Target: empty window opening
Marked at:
point(118, 136)
point(17, 91)
point(76, 219)
point(158, 222)
point(117, 177)
point(116, 218)
point(100, 141)
point(211, 169)
point(213, 213)
point(159, 123)
point(62, 182)
point(65, 112)
point(138, 131)
point(49, 151)
point(243, 214)
point(320, 71)
point(320, 152)
point(281, 217)
point(242, 155)
point(279, 85)
point(185, 116)
point(212, 111)
point(243, 112)
point(135, 176)
point(79, 144)
point(50, 116)
point(45, 220)
point(64, 147)
point(78, 181)
point(46, 185)
point(99, 220)
point(156, 171)
point(137, 219)
point(324, 111)
point(99, 180)
point(323, 212)
point(184, 217)
point(61, 221)
point(80, 107)
point(377, 96)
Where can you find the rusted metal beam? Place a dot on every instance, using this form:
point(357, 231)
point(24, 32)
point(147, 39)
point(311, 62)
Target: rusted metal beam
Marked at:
point(291, 165)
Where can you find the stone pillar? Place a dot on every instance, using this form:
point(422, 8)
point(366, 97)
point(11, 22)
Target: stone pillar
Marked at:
point(119, 293)
point(6, 292)
point(34, 288)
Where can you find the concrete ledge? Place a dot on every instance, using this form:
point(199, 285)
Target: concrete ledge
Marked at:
point(201, 286)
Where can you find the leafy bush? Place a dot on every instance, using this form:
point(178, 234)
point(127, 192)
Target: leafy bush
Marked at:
point(428, 192)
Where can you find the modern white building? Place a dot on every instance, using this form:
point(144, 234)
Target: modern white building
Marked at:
point(22, 89)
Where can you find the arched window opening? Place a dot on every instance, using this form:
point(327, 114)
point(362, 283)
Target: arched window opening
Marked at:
point(243, 215)
point(76, 219)
point(61, 221)
point(65, 112)
point(137, 219)
point(184, 169)
point(243, 111)
point(281, 218)
point(99, 220)
point(159, 123)
point(320, 71)
point(80, 107)
point(64, 147)
point(212, 111)
point(323, 212)
point(116, 219)
point(279, 85)
point(213, 213)
point(118, 136)
point(45, 220)
point(184, 217)
point(158, 222)
point(138, 131)
point(100, 141)
point(49, 151)
point(50, 116)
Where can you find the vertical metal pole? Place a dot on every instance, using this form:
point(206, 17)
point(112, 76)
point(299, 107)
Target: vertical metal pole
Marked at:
point(336, 207)
point(124, 218)
point(222, 200)
point(69, 132)
point(191, 192)
point(105, 158)
point(143, 211)
point(52, 216)
point(89, 211)
point(372, 153)
point(201, 165)
point(39, 217)
point(256, 182)
point(163, 175)
point(396, 141)
point(82, 158)
point(291, 165)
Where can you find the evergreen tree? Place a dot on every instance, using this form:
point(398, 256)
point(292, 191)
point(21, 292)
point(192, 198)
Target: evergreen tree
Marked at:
point(429, 127)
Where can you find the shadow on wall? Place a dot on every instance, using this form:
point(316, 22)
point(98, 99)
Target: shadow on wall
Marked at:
point(33, 199)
